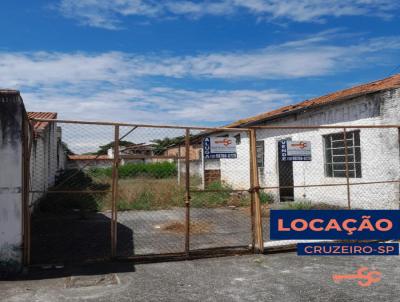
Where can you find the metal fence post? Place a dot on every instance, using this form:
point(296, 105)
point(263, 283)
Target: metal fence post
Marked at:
point(114, 193)
point(187, 192)
point(346, 155)
point(255, 197)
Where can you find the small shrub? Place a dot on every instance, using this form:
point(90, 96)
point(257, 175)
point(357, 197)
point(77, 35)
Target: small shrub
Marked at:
point(212, 199)
point(308, 205)
point(266, 197)
point(131, 170)
point(297, 205)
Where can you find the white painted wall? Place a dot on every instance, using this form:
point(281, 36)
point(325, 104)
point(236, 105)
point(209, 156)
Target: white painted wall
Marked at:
point(380, 154)
point(10, 183)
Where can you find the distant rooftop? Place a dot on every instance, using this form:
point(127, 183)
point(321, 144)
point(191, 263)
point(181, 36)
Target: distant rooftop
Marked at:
point(41, 115)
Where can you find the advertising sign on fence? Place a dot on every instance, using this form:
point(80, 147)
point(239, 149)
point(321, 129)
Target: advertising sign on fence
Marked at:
point(294, 150)
point(219, 147)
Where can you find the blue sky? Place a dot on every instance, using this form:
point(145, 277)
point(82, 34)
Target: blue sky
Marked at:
point(191, 62)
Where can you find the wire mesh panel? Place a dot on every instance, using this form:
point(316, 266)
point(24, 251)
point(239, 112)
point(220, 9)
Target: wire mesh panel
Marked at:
point(151, 191)
point(69, 199)
point(374, 178)
point(220, 204)
point(327, 168)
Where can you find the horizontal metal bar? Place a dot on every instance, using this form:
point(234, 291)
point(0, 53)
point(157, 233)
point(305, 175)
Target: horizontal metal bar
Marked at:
point(341, 140)
point(348, 147)
point(215, 191)
point(150, 157)
point(137, 125)
point(193, 254)
point(78, 192)
point(325, 127)
point(332, 185)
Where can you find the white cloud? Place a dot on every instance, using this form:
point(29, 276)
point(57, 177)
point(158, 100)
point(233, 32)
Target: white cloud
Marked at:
point(120, 86)
point(108, 14)
point(295, 59)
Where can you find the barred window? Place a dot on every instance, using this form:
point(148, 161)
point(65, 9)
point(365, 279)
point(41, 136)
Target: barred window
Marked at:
point(260, 154)
point(335, 156)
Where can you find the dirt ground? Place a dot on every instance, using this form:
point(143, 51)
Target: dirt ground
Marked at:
point(276, 277)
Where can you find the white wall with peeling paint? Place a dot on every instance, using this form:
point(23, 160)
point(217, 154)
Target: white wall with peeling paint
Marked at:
point(380, 154)
point(10, 183)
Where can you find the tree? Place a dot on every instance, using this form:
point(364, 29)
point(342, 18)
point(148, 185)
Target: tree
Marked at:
point(104, 148)
point(160, 145)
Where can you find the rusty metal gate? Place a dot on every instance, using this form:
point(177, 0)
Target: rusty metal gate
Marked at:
point(112, 190)
point(115, 190)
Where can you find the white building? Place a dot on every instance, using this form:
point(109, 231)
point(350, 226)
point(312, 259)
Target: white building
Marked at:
point(373, 153)
point(48, 156)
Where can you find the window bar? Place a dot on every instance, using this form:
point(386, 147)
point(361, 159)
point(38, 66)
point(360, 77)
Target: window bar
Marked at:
point(347, 167)
point(333, 170)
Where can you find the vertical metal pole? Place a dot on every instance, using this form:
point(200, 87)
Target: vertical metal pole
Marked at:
point(346, 154)
point(114, 193)
point(252, 208)
point(179, 165)
point(203, 168)
point(255, 197)
point(187, 192)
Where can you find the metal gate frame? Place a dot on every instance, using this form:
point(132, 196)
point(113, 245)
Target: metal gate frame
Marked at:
point(256, 222)
point(257, 245)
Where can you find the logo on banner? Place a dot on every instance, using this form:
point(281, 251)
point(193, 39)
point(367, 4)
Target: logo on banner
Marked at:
point(294, 150)
point(215, 147)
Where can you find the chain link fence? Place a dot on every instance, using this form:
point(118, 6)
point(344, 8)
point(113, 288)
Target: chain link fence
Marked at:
point(101, 190)
point(339, 167)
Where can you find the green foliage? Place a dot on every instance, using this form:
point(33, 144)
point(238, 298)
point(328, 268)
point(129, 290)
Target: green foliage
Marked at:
point(104, 148)
point(220, 197)
point(131, 170)
point(143, 202)
point(266, 197)
point(298, 205)
point(308, 205)
point(163, 144)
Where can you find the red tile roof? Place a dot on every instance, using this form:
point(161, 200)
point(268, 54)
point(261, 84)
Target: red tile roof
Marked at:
point(338, 96)
point(41, 115)
point(89, 157)
point(9, 91)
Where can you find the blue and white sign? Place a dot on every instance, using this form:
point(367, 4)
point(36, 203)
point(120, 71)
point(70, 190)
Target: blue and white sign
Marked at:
point(294, 150)
point(219, 147)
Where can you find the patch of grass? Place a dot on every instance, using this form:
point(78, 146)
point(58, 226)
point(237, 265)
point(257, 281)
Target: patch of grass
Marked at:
point(308, 205)
point(266, 197)
point(132, 170)
point(149, 194)
point(221, 196)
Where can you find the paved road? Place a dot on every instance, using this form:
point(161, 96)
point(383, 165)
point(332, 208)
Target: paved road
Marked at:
point(278, 277)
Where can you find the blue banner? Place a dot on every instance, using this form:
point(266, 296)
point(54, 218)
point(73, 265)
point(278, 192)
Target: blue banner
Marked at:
point(348, 249)
point(335, 224)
